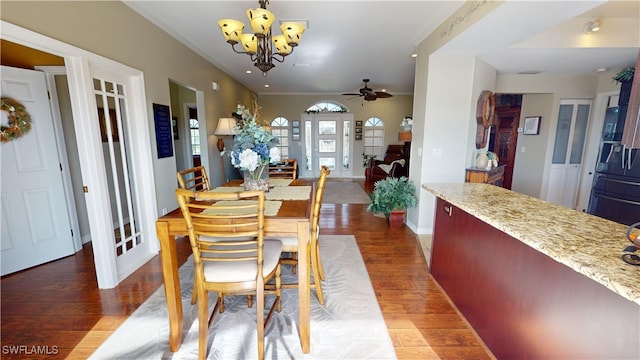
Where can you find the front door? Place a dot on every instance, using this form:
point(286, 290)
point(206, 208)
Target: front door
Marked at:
point(328, 143)
point(566, 166)
point(35, 222)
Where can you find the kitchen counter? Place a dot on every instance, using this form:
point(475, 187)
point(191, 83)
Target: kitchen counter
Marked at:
point(589, 245)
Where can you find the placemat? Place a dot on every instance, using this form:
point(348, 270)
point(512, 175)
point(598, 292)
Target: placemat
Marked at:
point(271, 208)
point(289, 193)
point(279, 182)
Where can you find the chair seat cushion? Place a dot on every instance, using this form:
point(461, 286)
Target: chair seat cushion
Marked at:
point(290, 243)
point(240, 271)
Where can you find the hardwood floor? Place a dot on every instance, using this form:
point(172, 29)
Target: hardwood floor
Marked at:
point(56, 309)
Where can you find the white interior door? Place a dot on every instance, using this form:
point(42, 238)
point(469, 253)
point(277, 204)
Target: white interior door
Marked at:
point(566, 166)
point(35, 222)
point(131, 245)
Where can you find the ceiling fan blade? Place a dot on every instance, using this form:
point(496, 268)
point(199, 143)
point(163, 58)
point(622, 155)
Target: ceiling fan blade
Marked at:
point(383, 95)
point(370, 96)
point(352, 94)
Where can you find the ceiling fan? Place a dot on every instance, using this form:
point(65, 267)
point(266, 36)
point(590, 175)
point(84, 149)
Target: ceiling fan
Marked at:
point(368, 94)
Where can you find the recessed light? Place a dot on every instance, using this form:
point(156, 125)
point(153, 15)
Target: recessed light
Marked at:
point(601, 70)
point(592, 26)
point(266, 85)
point(414, 55)
point(249, 72)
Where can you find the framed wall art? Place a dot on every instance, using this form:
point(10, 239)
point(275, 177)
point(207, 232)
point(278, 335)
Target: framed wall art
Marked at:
point(531, 125)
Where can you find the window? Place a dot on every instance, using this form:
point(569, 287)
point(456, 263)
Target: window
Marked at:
point(280, 128)
point(194, 129)
point(374, 137)
point(326, 106)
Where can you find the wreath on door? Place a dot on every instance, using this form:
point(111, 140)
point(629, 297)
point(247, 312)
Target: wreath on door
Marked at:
point(19, 120)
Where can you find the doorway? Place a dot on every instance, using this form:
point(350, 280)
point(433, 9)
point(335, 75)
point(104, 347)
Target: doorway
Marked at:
point(83, 69)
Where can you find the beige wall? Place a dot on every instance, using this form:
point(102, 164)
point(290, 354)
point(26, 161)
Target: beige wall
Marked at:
point(390, 110)
point(529, 164)
point(111, 29)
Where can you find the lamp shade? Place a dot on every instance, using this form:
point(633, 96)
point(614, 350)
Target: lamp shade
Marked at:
point(281, 45)
point(226, 126)
point(261, 20)
point(293, 32)
point(231, 29)
point(249, 43)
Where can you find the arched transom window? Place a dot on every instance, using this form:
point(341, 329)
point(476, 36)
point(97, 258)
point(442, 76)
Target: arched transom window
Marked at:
point(326, 106)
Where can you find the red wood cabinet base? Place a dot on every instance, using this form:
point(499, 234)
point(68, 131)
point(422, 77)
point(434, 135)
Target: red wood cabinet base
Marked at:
point(522, 303)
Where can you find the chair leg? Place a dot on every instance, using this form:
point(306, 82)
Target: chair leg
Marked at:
point(194, 294)
point(320, 268)
point(316, 274)
point(203, 322)
point(260, 318)
point(279, 287)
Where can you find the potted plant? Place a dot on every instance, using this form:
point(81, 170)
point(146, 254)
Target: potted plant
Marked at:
point(366, 160)
point(625, 78)
point(392, 197)
point(625, 74)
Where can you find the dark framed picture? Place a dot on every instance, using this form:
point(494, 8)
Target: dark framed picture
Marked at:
point(295, 130)
point(295, 123)
point(358, 136)
point(358, 130)
point(296, 137)
point(358, 122)
point(531, 125)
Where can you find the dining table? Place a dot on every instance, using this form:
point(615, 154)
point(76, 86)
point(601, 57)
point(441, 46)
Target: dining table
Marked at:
point(292, 219)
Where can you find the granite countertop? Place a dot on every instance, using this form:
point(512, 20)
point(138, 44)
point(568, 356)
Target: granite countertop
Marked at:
point(587, 244)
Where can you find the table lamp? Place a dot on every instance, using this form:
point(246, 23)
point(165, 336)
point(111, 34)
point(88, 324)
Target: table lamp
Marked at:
point(226, 127)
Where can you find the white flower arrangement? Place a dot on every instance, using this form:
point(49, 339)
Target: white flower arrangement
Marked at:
point(253, 146)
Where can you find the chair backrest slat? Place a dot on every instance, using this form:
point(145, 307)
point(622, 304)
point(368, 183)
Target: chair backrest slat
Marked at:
point(194, 178)
point(224, 233)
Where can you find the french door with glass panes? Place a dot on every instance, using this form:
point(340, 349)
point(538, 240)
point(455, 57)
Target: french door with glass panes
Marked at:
point(328, 142)
point(566, 165)
point(131, 236)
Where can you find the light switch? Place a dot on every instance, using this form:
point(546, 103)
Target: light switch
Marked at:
point(522, 149)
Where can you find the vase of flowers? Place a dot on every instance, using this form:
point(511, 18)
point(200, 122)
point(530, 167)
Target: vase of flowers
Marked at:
point(406, 124)
point(254, 148)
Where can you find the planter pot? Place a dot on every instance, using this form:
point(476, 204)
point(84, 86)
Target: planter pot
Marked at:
point(396, 219)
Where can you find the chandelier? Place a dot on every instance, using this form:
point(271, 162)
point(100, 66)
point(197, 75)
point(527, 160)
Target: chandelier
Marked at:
point(259, 45)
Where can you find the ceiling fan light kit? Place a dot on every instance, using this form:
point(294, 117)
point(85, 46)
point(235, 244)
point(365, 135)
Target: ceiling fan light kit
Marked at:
point(368, 94)
point(259, 45)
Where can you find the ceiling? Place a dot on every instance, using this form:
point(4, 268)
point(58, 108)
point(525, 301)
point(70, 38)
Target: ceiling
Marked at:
point(347, 41)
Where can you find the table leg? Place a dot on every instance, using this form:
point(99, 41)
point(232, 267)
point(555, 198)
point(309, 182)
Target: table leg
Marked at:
point(172, 292)
point(304, 300)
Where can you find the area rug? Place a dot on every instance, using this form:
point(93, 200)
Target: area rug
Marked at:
point(348, 326)
point(339, 192)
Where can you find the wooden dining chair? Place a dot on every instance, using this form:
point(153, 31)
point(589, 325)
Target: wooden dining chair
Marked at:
point(194, 178)
point(287, 169)
point(290, 244)
point(230, 267)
